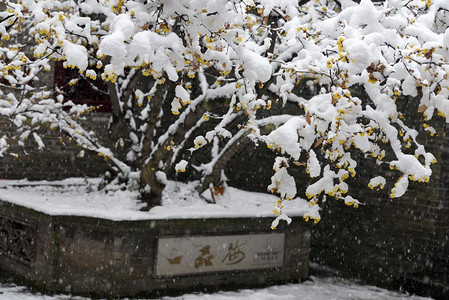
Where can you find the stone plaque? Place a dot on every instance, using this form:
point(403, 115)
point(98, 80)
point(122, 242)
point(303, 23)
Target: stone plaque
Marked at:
point(200, 254)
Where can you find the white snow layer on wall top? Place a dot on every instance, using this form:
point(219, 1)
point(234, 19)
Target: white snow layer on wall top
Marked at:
point(76, 197)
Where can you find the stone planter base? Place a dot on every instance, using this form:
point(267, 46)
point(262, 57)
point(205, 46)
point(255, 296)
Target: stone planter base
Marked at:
point(104, 258)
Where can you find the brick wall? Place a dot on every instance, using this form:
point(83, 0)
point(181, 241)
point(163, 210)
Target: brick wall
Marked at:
point(387, 242)
point(392, 242)
point(59, 159)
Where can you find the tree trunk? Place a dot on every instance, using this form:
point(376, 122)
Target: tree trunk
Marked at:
point(215, 177)
point(151, 187)
point(118, 128)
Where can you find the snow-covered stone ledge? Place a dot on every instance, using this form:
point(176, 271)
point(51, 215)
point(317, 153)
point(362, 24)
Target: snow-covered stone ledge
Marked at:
point(66, 237)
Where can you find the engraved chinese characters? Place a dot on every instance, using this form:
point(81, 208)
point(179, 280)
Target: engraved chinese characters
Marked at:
point(234, 255)
point(205, 258)
point(187, 255)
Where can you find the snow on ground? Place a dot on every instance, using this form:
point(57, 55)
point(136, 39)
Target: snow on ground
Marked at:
point(77, 196)
point(316, 289)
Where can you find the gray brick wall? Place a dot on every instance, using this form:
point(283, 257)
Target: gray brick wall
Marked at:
point(385, 241)
point(388, 241)
point(59, 159)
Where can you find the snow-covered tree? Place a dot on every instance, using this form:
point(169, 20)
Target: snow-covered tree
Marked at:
point(191, 76)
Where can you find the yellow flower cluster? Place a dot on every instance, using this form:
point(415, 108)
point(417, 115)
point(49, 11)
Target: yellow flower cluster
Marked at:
point(314, 219)
point(118, 8)
point(340, 44)
point(101, 154)
point(380, 186)
point(424, 179)
point(198, 143)
point(278, 207)
point(353, 203)
point(191, 74)
point(11, 67)
point(109, 77)
point(337, 191)
point(66, 65)
point(73, 82)
point(313, 201)
point(372, 80)
point(91, 75)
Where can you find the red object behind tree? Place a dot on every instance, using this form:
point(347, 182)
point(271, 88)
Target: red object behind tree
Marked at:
point(85, 91)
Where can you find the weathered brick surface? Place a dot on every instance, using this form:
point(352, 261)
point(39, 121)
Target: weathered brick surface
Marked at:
point(59, 159)
point(384, 241)
point(388, 241)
